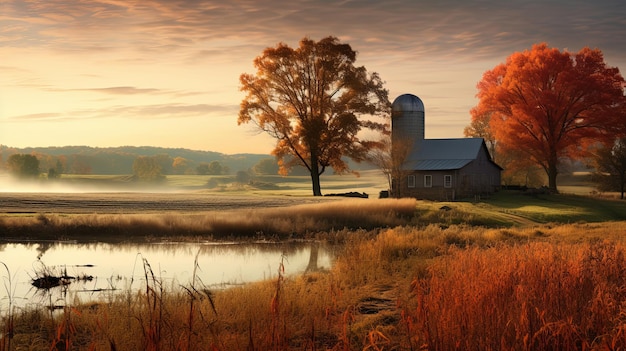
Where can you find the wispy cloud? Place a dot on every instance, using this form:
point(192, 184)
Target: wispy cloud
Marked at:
point(168, 111)
point(123, 90)
point(147, 112)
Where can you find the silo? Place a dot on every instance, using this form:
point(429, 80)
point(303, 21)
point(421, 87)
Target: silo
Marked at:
point(407, 118)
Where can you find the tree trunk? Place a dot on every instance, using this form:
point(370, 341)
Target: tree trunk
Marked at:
point(315, 176)
point(552, 173)
point(622, 182)
point(315, 180)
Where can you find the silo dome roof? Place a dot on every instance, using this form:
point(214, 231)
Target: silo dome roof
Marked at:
point(407, 103)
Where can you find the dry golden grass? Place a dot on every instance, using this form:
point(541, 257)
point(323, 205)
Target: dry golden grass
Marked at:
point(276, 222)
point(405, 288)
point(536, 296)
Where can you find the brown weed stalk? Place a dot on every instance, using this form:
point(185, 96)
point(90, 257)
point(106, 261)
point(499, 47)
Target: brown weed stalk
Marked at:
point(9, 323)
point(277, 326)
point(152, 328)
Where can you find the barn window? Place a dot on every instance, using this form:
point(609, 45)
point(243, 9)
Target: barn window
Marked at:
point(428, 181)
point(411, 181)
point(447, 181)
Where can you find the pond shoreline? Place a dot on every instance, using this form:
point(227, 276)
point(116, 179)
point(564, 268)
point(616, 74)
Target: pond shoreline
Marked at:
point(62, 269)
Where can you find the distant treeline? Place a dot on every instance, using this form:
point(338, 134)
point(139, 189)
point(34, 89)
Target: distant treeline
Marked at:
point(119, 160)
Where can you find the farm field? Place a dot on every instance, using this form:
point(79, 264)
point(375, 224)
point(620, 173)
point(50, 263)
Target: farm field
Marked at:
point(269, 205)
point(141, 202)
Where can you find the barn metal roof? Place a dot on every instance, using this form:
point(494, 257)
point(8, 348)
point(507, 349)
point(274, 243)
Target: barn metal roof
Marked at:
point(443, 154)
point(436, 165)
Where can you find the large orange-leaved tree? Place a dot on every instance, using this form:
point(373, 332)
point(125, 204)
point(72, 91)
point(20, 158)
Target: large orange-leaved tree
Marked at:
point(550, 104)
point(316, 103)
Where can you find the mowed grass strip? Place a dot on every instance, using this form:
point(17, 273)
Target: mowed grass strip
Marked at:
point(561, 208)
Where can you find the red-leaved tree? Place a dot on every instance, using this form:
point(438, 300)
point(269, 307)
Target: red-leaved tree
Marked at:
point(551, 104)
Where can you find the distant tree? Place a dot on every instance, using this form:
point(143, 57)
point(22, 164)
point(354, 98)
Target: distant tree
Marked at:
point(267, 166)
point(59, 166)
point(212, 183)
point(551, 104)
point(180, 165)
point(312, 100)
point(147, 168)
point(610, 163)
point(243, 177)
point(23, 166)
point(480, 128)
point(53, 173)
point(165, 161)
point(225, 169)
point(390, 160)
point(202, 168)
point(520, 170)
point(215, 168)
point(79, 164)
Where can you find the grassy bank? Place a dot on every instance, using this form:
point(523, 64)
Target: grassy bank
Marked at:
point(297, 221)
point(148, 216)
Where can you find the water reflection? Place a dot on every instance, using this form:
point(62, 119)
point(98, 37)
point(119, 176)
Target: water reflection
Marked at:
point(95, 271)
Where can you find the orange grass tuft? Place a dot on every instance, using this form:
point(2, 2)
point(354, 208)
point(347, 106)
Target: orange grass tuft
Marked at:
point(536, 296)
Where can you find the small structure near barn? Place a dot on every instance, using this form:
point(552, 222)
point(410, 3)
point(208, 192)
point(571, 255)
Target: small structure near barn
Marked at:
point(436, 169)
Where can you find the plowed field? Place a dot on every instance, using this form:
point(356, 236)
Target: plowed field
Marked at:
point(101, 203)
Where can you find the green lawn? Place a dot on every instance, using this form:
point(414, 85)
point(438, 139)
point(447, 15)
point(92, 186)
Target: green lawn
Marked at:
point(563, 208)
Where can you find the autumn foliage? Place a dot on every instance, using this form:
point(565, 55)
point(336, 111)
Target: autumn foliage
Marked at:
point(312, 99)
point(551, 104)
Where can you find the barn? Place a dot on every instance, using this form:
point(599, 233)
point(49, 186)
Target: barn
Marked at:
point(437, 169)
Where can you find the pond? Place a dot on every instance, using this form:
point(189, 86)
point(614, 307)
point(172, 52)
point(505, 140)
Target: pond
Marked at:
point(95, 271)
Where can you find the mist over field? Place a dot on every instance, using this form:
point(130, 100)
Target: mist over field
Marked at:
point(10, 184)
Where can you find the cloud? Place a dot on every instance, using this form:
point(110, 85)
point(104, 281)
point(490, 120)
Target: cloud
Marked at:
point(162, 111)
point(146, 112)
point(122, 90)
point(447, 28)
point(38, 116)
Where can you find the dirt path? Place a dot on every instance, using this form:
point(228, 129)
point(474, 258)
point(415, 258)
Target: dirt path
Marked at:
point(520, 220)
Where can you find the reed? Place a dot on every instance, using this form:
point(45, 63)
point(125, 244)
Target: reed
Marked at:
point(9, 324)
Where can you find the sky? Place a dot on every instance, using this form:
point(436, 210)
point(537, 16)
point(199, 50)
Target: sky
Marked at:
point(108, 73)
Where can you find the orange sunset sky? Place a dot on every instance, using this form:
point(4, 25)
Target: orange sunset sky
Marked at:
point(166, 72)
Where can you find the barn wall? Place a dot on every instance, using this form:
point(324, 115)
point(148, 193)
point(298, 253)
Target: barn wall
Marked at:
point(479, 177)
point(436, 192)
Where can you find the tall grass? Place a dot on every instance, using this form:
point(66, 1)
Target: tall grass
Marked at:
point(269, 222)
point(8, 326)
point(536, 296)
point(404, 288)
